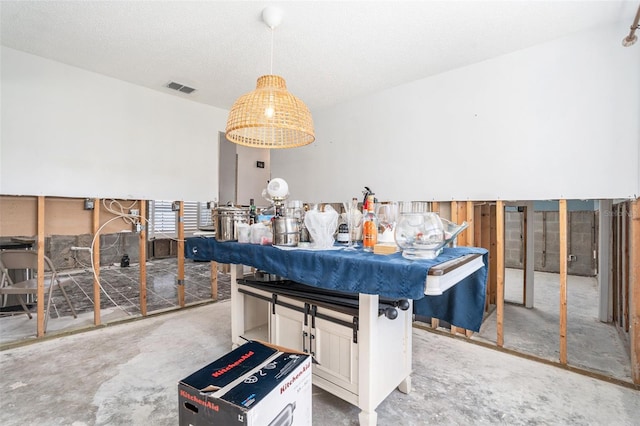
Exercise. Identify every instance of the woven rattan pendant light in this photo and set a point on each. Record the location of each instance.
(270, 116)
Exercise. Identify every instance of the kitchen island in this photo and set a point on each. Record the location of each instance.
(362, 353)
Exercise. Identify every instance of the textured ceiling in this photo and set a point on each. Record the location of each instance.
(328, 52)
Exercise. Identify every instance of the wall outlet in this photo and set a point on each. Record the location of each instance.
(134, 212)
(573, 258)
(88, 204)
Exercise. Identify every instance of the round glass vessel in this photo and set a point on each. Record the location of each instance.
(420, 235)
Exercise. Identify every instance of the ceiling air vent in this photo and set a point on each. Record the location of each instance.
(180, 87)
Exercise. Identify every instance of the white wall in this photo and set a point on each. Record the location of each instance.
(69, 132)
(248, 181)
(559, 120)
(251, 179)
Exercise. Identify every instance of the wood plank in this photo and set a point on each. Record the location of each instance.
(470, 212)
(454, 218)
(40, 327)
(435, 207)
(500, 272)
(525, 254)
(180, 255)
(614, 263)
(142, 244)
(493, 258)
(634, 330)
(458, 215)
(605, 259)
(626, 257)
(214, 281)
(477, 225)
(562, 219)
(96, 262)
(485, 241)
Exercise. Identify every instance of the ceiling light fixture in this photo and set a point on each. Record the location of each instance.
(632, 37)
(270, 116)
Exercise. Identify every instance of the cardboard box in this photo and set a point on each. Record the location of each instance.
(256, 384)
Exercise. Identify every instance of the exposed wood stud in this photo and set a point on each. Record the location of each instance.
(470, 211)
(525, 253)
(142, 244)
(626, 257)
(500, 272)
(493, 258)
(214, 280)
(96, 262)
(562, 219)
(40, 290)
(180, 255)
(634, 331)
(435, 207)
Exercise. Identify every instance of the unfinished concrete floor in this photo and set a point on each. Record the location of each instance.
(591, 345)
(127, 374)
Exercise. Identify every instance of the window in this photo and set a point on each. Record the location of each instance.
(164, 221)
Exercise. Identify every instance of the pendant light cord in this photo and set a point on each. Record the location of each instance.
(271, 71)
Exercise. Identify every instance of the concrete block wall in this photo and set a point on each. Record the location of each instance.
(582, 241)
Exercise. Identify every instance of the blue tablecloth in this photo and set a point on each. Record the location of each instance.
(358, 271)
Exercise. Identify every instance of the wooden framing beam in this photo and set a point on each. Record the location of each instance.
(525, 255)
(435, 207)
(604, 259)
(214, 281)
(634, 296)
(142, 244)
(96, 262)
(493, 257)
(470, 219)
(500, 273)
(40, 290)
(626, 258)
(477, 225)
(458, 215)
(562, 219)
(180, 255)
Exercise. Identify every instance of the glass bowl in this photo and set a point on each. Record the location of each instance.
(420, 235)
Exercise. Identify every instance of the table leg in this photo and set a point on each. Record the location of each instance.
(368, 418)
(405, 385)
(369, 362)
(237, 307)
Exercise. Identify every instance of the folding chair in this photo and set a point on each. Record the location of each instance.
(28, 259)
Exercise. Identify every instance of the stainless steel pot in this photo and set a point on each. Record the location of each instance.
(226, 219)
(286, 231)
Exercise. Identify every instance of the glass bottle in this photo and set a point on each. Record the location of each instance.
(369, 225)
(252, 212)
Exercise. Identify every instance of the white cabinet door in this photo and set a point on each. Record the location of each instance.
(288, 328)
(336, 354)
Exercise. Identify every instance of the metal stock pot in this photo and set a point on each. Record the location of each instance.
(226, 220)
(286, 231)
